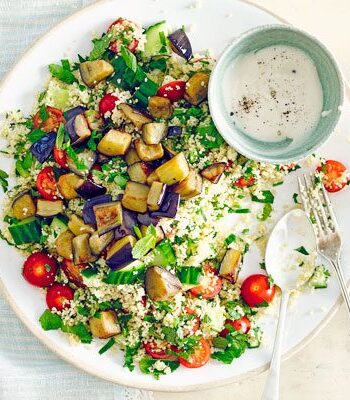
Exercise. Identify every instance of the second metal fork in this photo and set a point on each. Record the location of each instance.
(317, 205)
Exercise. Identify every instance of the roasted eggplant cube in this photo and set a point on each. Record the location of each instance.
(139, 172)
(160, 107)
(148, 152)
(90, 189)
(99, 242)
(114, 143)
(161, 284)
(135, 197)
(173, 171)
(81, 249)
(119, 255)
(48, 208)
(108, 216)
(197, 190)
(87, 158)
(153, 177)
(213, 172)
(197, 88)
(93, 72)
(159, 232)
(156, 196)
(79, 130)
(23, 206)
(188, 185)
(169, 207)
(93, 119)
(67, 185)
(134, 116)
(78, 226)
(154, 132)
(230, 265)
(105, 325)
(64, 244)
(131, 157)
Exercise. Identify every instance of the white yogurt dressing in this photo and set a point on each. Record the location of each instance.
(274, 93)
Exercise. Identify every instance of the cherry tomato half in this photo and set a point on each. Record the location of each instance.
(210, 285)
(196, 323)
(60, 157)
(174, 91)
(58, 296)
(335, 175)
(200, 356)
(46, 184)
(245, 182)
(256, 290)
(115, 44)
(107, 103)
(242, 324)
(55, 117)
(73, 271)
(40, 269)
(154, 351)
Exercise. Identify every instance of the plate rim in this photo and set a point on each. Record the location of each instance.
(39, 334)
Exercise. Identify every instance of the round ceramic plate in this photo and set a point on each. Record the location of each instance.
(212, 25)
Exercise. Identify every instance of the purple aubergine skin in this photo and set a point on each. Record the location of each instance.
(147, 219)
(73, 112)
(121, 258)
(169, 207)
(70, 129)
(128, 224)
(174, 131)
(90, 189)
(43, 148)
(181, 44)
(88, 211)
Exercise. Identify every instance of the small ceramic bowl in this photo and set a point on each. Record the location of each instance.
(330, 78)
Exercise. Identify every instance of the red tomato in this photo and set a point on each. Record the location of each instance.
(335, 175)
(200, 356)
(115, 45)
(228, 165)
(53, 121)
(174, 91)
(60, 157)
(58, 295)
(46, 184)
(40, 269)
(155, 352)
(256, 290)
(242, 324)
(245, 182)
(73, 271)
(107, 103)
(196, 324)
(210, 286)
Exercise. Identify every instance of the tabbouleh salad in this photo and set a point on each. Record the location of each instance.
(123, 200)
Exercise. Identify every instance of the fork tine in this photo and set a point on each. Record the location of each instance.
(320, 207)
(329, 208)
(304, 199)
(312, 210)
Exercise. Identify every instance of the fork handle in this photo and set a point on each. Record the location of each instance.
(337, 267)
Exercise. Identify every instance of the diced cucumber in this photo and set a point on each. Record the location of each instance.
(163, 255)
(220, 342)
(319, 279)
(254, 338)
(126, 276)
(189, 275)
(26, 231)
(59, 225)
(157, 43)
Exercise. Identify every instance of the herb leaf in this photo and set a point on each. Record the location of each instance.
(60, 137)
(144, 245)
(266, 212)
(62, 72)
(147, 363)
(35, 135)
(3, 180)
(267, 197)
(50, 321)
(100, 46)
(107, 346)
(209, 136)
(302, 250)
(79, 330)
(129, 58)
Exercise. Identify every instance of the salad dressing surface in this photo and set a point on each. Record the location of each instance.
(274, 93)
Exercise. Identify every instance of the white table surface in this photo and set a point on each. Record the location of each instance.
(321, 371)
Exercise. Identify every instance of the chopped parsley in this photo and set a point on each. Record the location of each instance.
(145, 244)
(147, 366)
(267, 197)
(3, 180)
(63, 72)
(107, 346)
(302, 250)
(266, 212)
(50, 321)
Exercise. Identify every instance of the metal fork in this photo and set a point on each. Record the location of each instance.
(317, 205)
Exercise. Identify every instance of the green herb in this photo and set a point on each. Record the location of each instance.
(123, 321)
(267, 197)
(159, 64)
(230, 239)
(137, 232)
(107, 346)
(266, 212)
(3, 180)
(164, 43)
(75, 158)
(302, 250)
(41, 96)
(100, 46)
(262, 266)
(80, 330)
(164, 306)
(263, 304)
(60, 137)
(209, 136)
(147, 366)
(62, 72)
(130, 352)
(190, 275)
(239, 210)
(220, 342)
(43, 113)
(295, 198)
(129, 58)
(22, 166)
(93, 139)
(169, 334)
(83, 311)
(278, 183)
(144, 245)
(110, 305)
(237, 344)
(89, 272)
(233, 309)
(270, 280)
(36, 135)
(50, 321)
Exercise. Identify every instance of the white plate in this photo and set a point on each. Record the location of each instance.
(214, 24)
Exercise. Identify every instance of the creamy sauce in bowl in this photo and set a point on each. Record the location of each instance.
(274, 94)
